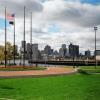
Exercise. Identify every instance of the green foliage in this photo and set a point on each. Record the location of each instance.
(70, 87)
(10, 49)
(1, 53)
(89, 69)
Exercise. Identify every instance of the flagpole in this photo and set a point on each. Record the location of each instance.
(14, 40)
(31, 35)
(5, 39)
(24, 40)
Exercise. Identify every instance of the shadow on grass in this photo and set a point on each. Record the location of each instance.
(83, 72)
(6, 87)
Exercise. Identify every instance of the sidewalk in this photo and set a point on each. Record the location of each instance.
(37, 73)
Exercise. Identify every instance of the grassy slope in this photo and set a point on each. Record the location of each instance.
(91, 69)
(71, 87)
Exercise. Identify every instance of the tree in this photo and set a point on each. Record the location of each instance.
(2, 53)
(9, 51)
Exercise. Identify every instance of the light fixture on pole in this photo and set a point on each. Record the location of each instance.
(95, 29)
(31, 36)
(5, 38)
(24, 51)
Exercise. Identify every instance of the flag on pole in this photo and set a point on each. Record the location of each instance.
(11, 17)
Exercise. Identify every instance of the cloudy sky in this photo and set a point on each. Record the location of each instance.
(55, 22)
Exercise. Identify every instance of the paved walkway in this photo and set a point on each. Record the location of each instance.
(37, 73)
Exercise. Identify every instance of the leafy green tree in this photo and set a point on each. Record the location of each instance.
(2, 53)
(9, 50)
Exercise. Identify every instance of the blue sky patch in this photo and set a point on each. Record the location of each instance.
(2, 23)
(53, 28)
(94, 2)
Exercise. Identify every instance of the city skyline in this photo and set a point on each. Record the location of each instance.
(60, 23)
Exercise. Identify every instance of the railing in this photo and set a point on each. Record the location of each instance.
(76, 63)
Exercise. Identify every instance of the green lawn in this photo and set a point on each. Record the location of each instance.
(22, 69)
(90, 69)
(69, 87)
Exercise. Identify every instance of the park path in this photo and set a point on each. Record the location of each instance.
(37, 73)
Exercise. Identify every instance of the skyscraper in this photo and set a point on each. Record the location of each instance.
(48, 50)
(88, 53)
(16, 49)
(23, 43)
(63, 51)
(35, 55)
(28, 48)
(74, 50)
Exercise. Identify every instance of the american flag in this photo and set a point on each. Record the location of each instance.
(10, 17)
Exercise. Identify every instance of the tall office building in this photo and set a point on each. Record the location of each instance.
(63, 51)
(55, 53)
(28, 48)
(16, 49)
(74, 50)
(64, 46)
(48, 50)
(23, 43)
(35, 55)
(88, 53)
(97, 54)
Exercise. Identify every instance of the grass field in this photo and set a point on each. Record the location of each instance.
(90, 69)
(21, 68)
(70, 87)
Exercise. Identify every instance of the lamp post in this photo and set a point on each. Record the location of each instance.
(31, 37)
(5, 38)
(95, 29)
(24, 53)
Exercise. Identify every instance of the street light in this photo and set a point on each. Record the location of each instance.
(31, 37)
(95, 29)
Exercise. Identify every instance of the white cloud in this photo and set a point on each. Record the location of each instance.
(76, 21)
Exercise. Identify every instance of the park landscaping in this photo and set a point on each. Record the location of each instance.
(89, 69)
(21, 68)
(70, 87)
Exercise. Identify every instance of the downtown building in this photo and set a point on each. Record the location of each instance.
(88, 53)
(47, 50)
(23, 46)
(73, 51)
(35, 52)
(47, 53)
(63, 52)
(97, 54)
(16, 49)
(31, 51)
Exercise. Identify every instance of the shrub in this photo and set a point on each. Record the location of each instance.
(83, 72)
